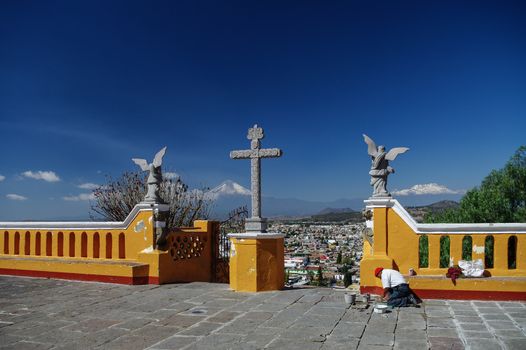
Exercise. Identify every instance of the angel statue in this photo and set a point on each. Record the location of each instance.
(380, 168)
(154, 178)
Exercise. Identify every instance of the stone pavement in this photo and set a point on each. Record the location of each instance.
(56, 314)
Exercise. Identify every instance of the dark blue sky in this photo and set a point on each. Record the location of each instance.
(85, 86)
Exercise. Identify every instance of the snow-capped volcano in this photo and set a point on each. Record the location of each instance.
(230, 188)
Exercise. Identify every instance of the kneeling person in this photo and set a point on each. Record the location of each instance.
(396, 289)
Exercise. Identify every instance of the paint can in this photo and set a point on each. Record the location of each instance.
(350, 298)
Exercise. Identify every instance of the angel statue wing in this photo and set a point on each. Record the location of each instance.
(158, 160)
(391, 155)
(142, 163)
(371, 146)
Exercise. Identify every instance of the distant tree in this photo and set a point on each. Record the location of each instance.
(339, 258)
(347, 278)
(321, 280)
(501, 197)
(310, 274)
(115, 200)
(347, 260)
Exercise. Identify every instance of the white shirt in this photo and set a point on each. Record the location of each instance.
(391, 278)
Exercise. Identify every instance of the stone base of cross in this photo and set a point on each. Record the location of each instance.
(256, 225)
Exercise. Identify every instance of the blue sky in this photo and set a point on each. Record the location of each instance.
(87, 85)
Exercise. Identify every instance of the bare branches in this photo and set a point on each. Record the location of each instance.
(115, 200)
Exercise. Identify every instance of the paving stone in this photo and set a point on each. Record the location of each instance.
(442, 332)
(333, 343)
(440, 322)
(357, 315)
(483, 344)
(410, 334)
(154, 333)
(223, 317)
(477, 335)
(175, 342)
(181, 321)
(380, 327)
(411, 325)
(372, 338)
(479, 327)
(411, 344)
(129, 342)
(511, 304)
(201, 310)
(7, 339)
(489, 310)
(515, 344)
(240, 326)
(502, 325)
(217, 342)
(363, 346)
(92, 325)
(26, 345)
(491, 317)
(348, 329)
(201, 328)
(313, 334)
(484, 303)
(443, 343)
(133, 324)
(468, 319)
(282, 343)
(405, 317)
(257, 316)
(471, 313)
(259, 340)
(435, 302)
(510, 333)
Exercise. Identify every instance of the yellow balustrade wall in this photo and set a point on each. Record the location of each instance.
(396, 245)
(121, 252)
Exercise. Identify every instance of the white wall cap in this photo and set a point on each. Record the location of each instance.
(495, 228)
(256, 235)
(77, 225)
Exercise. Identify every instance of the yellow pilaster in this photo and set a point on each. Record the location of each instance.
(102, 243)
(455, 248)
(521, 254)
(115, 246)
(90, 245)
(2, 242)
(257, 262)
(434, 251)
(33, 244)
(380, 231)
(379, 249)
(78, 244)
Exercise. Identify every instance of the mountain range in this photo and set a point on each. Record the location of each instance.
(230, 195)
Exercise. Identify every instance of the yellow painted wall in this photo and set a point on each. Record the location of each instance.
(121, 252)
(257, 264)
(396, 246)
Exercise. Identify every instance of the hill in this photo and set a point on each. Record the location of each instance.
(418, 213)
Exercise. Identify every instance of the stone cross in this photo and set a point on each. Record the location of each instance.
(256, 223)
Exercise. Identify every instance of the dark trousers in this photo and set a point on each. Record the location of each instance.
(399, 296)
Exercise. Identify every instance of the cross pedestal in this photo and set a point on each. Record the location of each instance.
(256, 257)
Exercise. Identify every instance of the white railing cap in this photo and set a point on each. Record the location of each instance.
(80, 225)
(491, 228)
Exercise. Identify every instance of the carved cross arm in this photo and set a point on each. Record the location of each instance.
(270, 153)
(246, 154)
